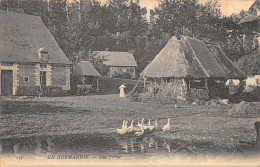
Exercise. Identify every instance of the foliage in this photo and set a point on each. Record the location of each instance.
(127, 75)
(83, 26)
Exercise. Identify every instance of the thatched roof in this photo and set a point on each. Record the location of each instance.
(21, 37)
(252, 17)
(85, 68)
(190, 57)
(122, 59)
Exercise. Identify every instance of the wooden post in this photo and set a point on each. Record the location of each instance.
(257, 128)
(206, 83)
(145, 82)
(98, 84)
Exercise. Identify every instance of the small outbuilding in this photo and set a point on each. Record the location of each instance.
(192, 68)
(117, 64)
(85, 78)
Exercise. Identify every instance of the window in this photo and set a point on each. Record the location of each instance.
(219, 81)
(26, 79)
(43, 65)
(198, 83)
(43, 78)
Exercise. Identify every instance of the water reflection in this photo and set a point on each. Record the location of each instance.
(16, 148)
(92, 144)
(145, 145)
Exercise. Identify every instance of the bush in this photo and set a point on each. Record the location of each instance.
(123, 75)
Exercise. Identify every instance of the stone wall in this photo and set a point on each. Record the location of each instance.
(27, 75)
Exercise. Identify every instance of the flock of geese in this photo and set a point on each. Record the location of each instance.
(141, 128)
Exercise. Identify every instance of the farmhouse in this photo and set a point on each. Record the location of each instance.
(118, 64)
(31, 61)
(192, 68)
(85, 77)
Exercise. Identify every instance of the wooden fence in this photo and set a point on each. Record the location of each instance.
(37, 90)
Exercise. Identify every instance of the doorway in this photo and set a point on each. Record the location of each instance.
(7, 82)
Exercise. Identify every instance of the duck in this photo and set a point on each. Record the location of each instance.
(122, 130)
(139, 133)
(167, 127)
(131, 127)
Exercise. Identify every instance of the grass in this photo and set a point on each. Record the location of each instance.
(206, 127)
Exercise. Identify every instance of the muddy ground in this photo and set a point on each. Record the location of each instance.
(202, 129)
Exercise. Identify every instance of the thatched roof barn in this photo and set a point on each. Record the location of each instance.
(190, 57)
(31, 61)
(198, 65)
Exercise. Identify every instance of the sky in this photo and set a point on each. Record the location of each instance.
(227, 6)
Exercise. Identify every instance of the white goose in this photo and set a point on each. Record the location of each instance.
(167, 127)
(137, 126)
(147, 126)
(153, 127)
(142, 121)
(121, 127)
(123, 130)
(155, 124)
(131, 127)
(139, 133)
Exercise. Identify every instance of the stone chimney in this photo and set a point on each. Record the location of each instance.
(43, 55)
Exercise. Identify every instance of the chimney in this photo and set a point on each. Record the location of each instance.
(132, 51)
(43, 55)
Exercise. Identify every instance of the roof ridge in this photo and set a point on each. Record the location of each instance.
(232, 63)
(17, 13)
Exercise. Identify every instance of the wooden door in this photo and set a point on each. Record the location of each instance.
(7, 82)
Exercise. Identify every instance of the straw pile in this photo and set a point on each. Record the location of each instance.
(246, 110)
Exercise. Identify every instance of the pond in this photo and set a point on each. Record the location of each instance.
(94, 145)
